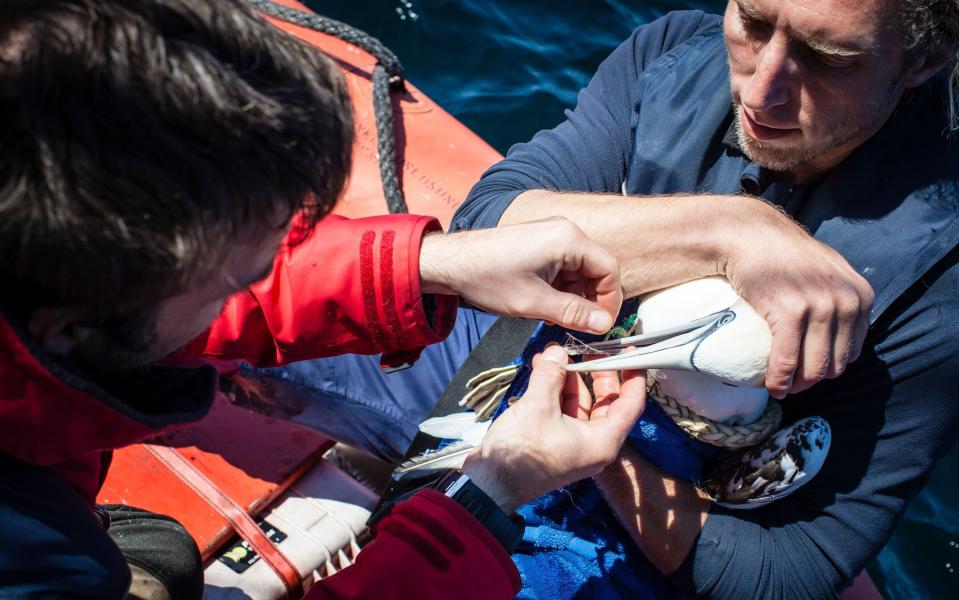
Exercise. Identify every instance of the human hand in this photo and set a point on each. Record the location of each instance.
(544, 269)
(555, 434)
(816, 304)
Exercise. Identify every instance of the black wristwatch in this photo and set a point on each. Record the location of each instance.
(508, 529)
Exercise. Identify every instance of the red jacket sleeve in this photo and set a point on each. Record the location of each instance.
(428, 547)
(352, 287)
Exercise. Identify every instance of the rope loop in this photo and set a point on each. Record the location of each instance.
(719, 434)
(339, 30)
(388, 77)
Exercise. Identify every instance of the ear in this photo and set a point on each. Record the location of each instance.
(925, 68)
(58, 330)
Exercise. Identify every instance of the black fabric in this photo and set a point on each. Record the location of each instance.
(52, 545)
(159, 545)
(155, 396)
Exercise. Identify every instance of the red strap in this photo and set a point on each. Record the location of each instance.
(235, 514)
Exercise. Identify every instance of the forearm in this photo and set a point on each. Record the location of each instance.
(662, 514)
(442, 262)
(659, 241)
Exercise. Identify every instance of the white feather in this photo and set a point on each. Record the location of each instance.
(459, 426)
(450, 457)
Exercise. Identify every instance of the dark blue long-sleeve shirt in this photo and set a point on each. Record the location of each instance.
(654, 120)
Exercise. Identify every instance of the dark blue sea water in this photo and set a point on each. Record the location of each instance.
(508, 68)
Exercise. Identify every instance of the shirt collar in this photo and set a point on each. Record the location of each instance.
(731, 139)
(754, 179)
(761, 182)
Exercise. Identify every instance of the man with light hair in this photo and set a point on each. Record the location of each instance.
(839, 114)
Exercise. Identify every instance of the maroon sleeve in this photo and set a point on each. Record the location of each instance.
(427, 547)
(352, 287)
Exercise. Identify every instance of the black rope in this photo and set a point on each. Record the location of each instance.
(387, 77)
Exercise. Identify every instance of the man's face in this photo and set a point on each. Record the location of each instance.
(811, 79)
(183, 317)
(179, 319)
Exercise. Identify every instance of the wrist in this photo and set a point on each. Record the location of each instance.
(486, 478)
(436, 275)
(733, 218)
(745, 228)
(506, 526)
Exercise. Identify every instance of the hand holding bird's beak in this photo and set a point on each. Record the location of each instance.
(557, 433)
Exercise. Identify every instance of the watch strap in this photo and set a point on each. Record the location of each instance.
(507, 529)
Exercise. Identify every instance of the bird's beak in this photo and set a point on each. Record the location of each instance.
(672, 348)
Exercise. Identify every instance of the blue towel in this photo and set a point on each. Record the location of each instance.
(573, 546)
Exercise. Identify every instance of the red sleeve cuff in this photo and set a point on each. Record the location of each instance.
(415, 326)
(428, 548)
(464, 518)
(444, 519)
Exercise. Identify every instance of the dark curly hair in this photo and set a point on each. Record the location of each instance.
(142, 137)
(932, 27)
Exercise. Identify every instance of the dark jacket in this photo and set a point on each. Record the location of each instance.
(655, 120)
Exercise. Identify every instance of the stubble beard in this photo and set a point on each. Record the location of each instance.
(849, 128)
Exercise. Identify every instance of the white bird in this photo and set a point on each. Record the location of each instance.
(707, 349)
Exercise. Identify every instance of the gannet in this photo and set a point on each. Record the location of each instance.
(707, 348)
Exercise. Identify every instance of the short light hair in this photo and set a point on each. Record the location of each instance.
(931, 27)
